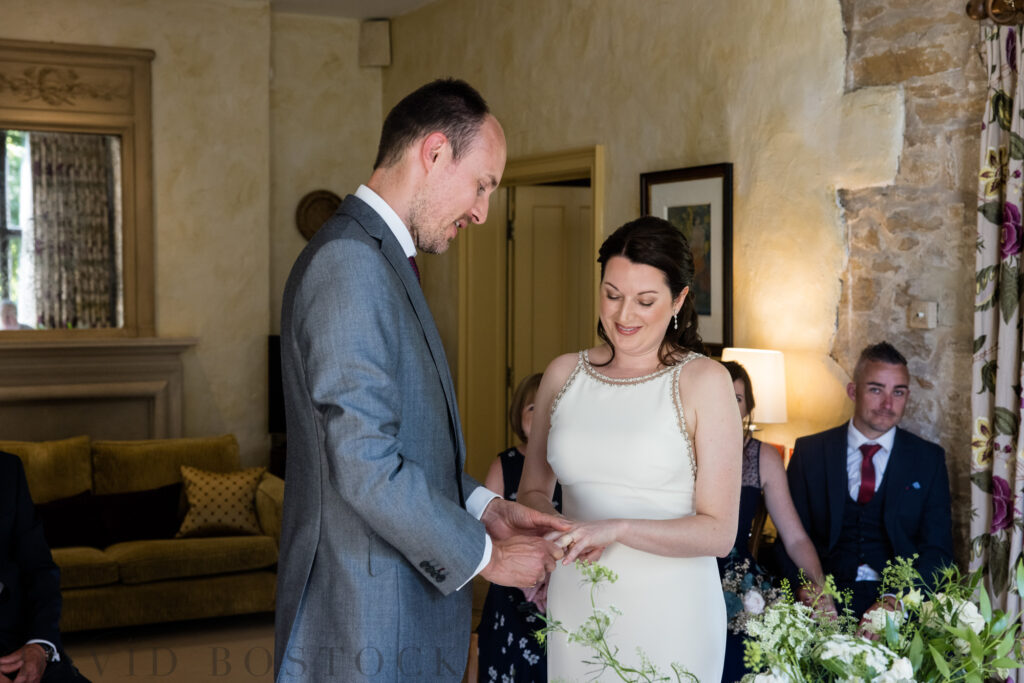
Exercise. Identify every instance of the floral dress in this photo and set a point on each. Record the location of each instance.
(507, 649)
(751, 495)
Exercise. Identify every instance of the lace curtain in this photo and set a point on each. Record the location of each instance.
(75, 235)
(997, 475)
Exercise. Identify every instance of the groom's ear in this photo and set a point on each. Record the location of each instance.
(431, 149)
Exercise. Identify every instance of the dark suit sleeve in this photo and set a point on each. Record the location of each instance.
(32, 580)
(934, 536)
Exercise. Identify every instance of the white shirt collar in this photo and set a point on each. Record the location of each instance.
(390, 217)
(854, 438)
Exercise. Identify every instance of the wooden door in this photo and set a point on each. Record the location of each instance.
(528, 296)
(551, 297)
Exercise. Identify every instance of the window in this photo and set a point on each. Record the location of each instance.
(76, 235)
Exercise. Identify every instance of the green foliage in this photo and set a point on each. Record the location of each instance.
(1002, 109)
(988, 376)
(592, 634)
(992, 211)
(1016, 146)
(950, 632)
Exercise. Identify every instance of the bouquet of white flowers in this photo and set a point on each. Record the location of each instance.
(747, 589)
(949, 633)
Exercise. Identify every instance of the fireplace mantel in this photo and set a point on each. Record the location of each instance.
(128, 388)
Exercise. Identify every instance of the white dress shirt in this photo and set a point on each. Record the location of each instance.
(854, 459)
(481, 496)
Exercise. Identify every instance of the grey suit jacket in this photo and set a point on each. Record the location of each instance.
(375, 537)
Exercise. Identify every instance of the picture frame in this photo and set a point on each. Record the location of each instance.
(698, 201)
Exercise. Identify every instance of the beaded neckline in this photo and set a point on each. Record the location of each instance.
(592, 371)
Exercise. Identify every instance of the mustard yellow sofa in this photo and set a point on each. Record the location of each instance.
(111, 508)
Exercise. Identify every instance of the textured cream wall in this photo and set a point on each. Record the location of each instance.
(325, 120)
(667, 84)
(211, 174)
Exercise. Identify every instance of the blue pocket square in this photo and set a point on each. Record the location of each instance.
(915, 485)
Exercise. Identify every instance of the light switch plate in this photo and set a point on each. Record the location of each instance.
(924, 314)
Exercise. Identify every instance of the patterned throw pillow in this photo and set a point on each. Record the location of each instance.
(220, 503)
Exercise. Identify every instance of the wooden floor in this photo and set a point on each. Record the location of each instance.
(227, 650)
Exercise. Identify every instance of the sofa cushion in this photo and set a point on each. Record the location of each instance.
(85, 567)
(74, 521)
(54, 469)
(141, 515)
(86, 519)
(122, 466)
(220, 503)
(145, 561)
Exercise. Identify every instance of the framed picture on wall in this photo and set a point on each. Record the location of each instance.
(698, 201)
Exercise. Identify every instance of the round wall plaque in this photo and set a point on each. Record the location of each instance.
(313, 211)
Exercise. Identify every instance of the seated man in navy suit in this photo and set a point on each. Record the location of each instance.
(29, 589)
(868, 491)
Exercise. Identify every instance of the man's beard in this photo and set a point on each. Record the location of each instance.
(435, 242)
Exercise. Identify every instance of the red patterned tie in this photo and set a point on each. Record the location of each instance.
(867, 473)
(412, 262)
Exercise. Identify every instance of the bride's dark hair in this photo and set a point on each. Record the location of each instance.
(656, 242)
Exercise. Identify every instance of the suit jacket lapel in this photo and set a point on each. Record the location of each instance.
(898, 472)
(392, 251)
(837, 481)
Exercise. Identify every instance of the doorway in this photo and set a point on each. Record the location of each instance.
(528, 282)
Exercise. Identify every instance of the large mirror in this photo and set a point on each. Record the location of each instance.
(76, 242)
(60, 231)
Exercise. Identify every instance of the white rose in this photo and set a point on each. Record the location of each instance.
(877, 619)
(902, 671)
(971, 617)
(775, 676)
(753, 602)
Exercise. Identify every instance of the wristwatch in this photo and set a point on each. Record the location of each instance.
(51, 654)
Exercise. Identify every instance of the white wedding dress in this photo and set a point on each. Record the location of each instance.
(621, 449)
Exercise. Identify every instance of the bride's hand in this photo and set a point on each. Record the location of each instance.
(587, 540)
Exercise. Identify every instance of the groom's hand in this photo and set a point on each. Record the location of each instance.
(521, 561)
(505, 519)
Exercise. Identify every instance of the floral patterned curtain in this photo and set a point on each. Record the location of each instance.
(75, 233)
(997, 474)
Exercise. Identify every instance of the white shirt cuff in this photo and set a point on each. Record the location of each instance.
(475, 505)
(865, 572)
(56, 652)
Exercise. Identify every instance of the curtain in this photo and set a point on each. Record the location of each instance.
(76, 234)
(997, 457)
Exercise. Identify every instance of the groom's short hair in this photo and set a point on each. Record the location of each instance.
(447, 105)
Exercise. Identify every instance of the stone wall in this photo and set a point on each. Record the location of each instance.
(914, 239)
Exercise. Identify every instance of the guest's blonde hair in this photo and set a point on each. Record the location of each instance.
(524, 394)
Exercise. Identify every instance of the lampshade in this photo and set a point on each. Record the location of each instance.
(767, 370)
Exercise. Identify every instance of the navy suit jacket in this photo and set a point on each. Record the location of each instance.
(915, 510)
(375, 535)
(30, 599)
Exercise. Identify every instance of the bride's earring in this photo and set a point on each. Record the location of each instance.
(675, 321)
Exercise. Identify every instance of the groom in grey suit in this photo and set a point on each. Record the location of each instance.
(382, 528)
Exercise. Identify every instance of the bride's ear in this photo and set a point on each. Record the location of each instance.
(677, 304)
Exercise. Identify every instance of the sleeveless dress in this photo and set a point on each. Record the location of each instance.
(620, 449)
(750, 499)
(508, 652)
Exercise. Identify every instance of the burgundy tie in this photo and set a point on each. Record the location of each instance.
(867, 473)
(412, 262)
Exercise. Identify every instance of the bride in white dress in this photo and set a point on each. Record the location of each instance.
(642, 432)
